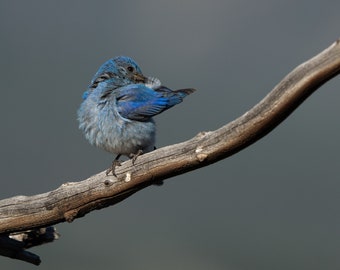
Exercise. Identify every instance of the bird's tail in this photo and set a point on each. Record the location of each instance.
(184, 92)
(173, 97)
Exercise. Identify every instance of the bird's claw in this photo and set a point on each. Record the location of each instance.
(116, 162)
(134, 156)
(112, 169)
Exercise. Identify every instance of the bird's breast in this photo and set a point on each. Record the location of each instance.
(105, 128)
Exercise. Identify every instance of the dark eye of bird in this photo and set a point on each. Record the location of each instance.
(129, 68)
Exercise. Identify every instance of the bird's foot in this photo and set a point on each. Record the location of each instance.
(112, 169)
(134, 156)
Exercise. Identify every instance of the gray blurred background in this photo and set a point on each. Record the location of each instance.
(274, 205)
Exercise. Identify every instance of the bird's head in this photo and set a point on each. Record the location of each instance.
(129, 70)
(119, 71)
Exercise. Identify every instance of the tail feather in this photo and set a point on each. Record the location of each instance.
(185, 91)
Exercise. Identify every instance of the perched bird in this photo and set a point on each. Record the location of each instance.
(118, 106)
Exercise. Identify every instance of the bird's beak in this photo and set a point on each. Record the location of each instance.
(139, 77)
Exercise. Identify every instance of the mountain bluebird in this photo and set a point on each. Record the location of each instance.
(118, 106)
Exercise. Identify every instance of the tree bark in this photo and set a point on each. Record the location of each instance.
(75, 199)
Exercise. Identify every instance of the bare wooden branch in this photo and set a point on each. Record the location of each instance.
(75, 199)
(14, 245)
(15, 249)
(36, 237)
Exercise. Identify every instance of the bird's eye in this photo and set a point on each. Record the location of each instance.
(130, 68)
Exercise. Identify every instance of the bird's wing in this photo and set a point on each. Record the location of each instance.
(139, 102)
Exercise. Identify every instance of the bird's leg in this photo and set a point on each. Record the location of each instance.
(134, 156)
(114, 164)
(133, 159)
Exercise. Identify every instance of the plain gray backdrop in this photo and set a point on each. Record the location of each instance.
(274, 205)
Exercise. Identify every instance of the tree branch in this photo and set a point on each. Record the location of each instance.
(14, 245)
(75, 199)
